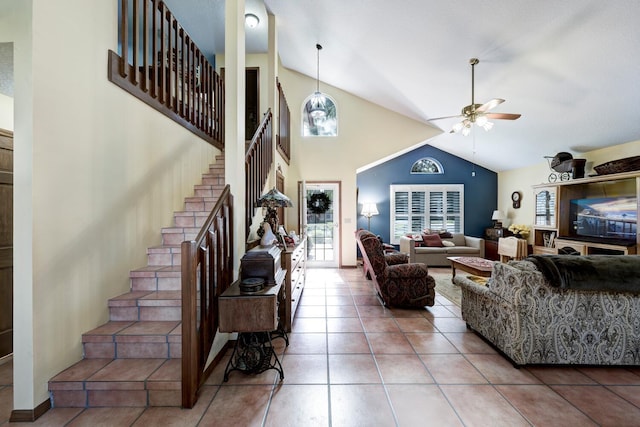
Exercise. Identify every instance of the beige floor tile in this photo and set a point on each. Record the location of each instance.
(430, 343)
(402, 369)
(389, 343)
(299, 405)
(528, 399)
(353, 369)
(238, 406)
(482, 405)
(305, 369)
(352, 342)
(601, 405)
(422, 405)
(360, 405)
(499, 370)
(452, 369)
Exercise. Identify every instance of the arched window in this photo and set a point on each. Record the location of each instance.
(319, 116)
(427, 165)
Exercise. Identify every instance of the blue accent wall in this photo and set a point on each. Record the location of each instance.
(480, 191)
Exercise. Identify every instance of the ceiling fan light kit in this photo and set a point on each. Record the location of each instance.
(477, 113)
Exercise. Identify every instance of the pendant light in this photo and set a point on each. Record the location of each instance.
(318, 109)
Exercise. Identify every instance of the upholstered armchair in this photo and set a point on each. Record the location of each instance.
(399, 285)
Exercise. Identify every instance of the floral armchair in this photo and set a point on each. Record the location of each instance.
(398, 283)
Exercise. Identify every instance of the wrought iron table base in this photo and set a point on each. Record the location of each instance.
(253, 354)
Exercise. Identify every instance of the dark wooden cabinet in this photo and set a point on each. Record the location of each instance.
(491, 250)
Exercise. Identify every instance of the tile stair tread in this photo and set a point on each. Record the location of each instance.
(147, 298)
(128, 374)
(157, 270)
(142, 328)
(164, 249)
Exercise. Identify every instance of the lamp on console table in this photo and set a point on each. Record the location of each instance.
(272, 200)
(369, 210)
(497, 216)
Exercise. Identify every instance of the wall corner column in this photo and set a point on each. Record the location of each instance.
(234, 106)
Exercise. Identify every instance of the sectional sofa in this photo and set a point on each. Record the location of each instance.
(534, 320)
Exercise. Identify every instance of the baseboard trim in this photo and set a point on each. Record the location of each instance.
(30, 415)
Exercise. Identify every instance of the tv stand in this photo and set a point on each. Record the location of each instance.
(593, 248)
(554, 228)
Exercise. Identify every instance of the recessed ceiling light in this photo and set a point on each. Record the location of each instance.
(251, 20)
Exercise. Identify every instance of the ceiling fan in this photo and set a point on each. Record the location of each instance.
(477, 113)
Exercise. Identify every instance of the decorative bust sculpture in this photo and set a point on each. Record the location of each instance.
(268, 238)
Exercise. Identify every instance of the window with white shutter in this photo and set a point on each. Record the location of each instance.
(416, 207)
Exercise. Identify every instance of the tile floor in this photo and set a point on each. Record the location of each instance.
(352, 362)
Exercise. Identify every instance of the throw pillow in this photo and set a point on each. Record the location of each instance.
(448, 243)
(433, 240)
(445, 235)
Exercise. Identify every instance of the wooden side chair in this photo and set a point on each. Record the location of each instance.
(511, 248)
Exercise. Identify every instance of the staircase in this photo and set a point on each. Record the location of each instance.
(135, 358)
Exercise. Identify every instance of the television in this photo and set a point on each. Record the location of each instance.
(605, 219)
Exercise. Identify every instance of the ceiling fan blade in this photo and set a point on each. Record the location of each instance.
(489, 105)
(503, 116)
(445, 117)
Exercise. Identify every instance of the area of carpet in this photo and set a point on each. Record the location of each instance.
(445, 287)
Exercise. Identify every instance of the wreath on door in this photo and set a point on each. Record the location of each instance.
(318, 203)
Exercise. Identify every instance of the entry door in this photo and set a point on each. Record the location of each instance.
(6, 242)
(323, 223)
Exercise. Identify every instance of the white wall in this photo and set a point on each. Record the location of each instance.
(366, 133)
(524, 178)
(6, 112)
(97, 174)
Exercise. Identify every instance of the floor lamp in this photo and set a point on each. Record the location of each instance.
(369, 210)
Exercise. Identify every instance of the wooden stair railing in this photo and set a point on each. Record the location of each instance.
(161, 65)
(258, 161)
(207, 271)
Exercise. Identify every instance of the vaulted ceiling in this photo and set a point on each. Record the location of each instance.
(571, 67)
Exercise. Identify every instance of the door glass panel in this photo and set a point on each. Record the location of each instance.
(322, 225)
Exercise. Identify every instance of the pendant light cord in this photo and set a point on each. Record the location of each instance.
(319, 47)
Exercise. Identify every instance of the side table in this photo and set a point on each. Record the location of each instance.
(254, 315)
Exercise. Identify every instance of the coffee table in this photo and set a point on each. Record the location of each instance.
(474, 265)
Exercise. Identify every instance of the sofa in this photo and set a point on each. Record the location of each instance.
(436, 256)
(398, 283)
(538, 312)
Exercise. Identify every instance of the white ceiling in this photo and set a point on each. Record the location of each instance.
(570, 67)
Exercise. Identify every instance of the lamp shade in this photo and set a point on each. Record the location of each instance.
(273, 198)
(497, 216)
(369, 209)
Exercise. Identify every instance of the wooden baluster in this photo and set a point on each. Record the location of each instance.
(154, 49)
(182, 73)
(176, 65)
(124, 41)
(134, 41)
(163, 56)
(170, 61)
(145, 47)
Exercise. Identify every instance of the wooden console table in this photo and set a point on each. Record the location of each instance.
(293, 263)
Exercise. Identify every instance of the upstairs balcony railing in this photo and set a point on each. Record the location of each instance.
(161, 65)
